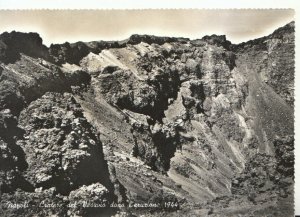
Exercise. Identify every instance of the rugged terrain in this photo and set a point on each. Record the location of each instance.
(190, 127)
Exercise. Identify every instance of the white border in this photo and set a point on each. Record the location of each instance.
(201, 4)
(141, 4)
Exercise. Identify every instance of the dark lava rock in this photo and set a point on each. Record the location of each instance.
(149, 39)
(60, 145)
(219, 40)
(14, 43)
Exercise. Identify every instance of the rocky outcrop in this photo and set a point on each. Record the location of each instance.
(62, 154)
(219, 40)
(29, 78)
(203, 124)
(60, 145)
(14, 43)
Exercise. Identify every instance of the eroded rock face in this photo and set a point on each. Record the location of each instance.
(203, 123)
(272, 61)
(60, 145)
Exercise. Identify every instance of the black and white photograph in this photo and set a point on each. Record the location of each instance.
(151, 113)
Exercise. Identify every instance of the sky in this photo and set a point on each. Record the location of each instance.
(59, 26)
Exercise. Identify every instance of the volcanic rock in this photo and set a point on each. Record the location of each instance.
(200, 127)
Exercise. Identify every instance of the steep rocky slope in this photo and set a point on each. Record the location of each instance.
(190, 127)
